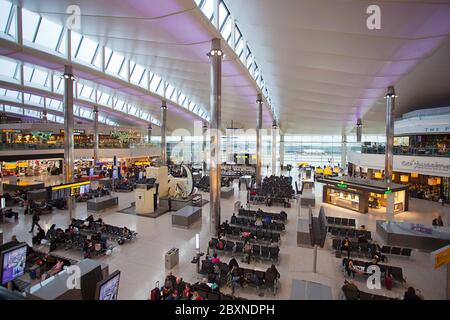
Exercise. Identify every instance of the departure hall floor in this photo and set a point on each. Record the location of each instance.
(141, 261)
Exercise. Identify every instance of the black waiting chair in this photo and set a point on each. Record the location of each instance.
(274, 253)
(406, 252)
(396, 250)
(239, 247)
(386, 250)
(267, 236)
(256, 251)
(275, 237)
(265, 252)
(229, 246)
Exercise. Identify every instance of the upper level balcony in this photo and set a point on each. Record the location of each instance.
(407, 150)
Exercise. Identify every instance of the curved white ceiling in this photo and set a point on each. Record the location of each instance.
(325, 68)
(172, 38)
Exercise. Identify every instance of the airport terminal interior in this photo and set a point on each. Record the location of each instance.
(225, 150)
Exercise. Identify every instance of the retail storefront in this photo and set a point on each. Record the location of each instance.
(31, 167)
(362, 195)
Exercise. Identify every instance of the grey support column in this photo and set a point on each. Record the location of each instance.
(259, 101)
(215, 55)
(96, 144)
(281, 152)
(204, 148)
(68, 131)
(389, 155)
(163, 133)
(344, 152)
(274, 148)
(358, 130)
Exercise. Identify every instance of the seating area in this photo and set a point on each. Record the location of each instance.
(250, 222)
(396, 272)
(358, 249)
(396, 251)
(248, 277)
(278, 217)
(351, 294)
(259, 252)
(119, 234)
(337, 221)
(266, 235)
(351, 233)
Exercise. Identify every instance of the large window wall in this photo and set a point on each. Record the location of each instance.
(316, 150)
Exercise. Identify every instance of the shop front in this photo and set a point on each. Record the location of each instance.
(362, 195)
(31, 167)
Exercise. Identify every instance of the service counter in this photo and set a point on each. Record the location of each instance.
(24, 186)
(361, 195)
(102, 203)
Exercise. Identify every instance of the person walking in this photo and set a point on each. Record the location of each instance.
(35, 222)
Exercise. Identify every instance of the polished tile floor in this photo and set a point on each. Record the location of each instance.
(142, 261)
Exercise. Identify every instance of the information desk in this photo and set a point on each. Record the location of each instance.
(308, 199)
(186, 216)
(361, 194)
(410, 235)
(102, 203)
(22, 186)
(226, 192)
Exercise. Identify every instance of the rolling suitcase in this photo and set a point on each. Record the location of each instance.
(155, 293)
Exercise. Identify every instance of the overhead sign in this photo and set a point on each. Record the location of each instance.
(388, 191)
(441, 257)
(11, 131)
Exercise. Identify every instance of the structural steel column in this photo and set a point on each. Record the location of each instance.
(68, 131)
(215, 55)
(259, 101)
(344, 152)
(163, 133)
(281, 152)
(204, 148)
(389, 154)
(95, 135)
(358, 130)
(274, 148)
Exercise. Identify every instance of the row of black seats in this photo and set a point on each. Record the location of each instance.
(258, 251)
(213, 294)
(362, 249)
(405, 252)
(282, 216)
(261, 234)
(241, 221)
(351, 294)
(341, 221)
(349, 232)
(249, 276)
(251, 221)
(396, 272)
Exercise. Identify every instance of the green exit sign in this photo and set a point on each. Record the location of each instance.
(388, 191)
(342, 185)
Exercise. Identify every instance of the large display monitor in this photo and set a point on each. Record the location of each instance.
(109, 288)
(13, 263)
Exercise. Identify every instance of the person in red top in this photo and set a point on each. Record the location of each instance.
(196, 296)
(215, 258)
(187, 293)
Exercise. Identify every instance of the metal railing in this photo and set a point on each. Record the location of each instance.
(407, 151)
(37, 146)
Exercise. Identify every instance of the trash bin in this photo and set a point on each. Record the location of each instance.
(171, 258)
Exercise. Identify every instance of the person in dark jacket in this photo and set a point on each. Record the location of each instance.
(35, 222)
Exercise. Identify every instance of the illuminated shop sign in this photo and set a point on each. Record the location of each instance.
(342, 185)
(75, 131)
(11, 131)
(70, 185)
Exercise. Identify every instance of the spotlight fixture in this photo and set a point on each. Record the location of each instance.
(215, 52)
(69, 76)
